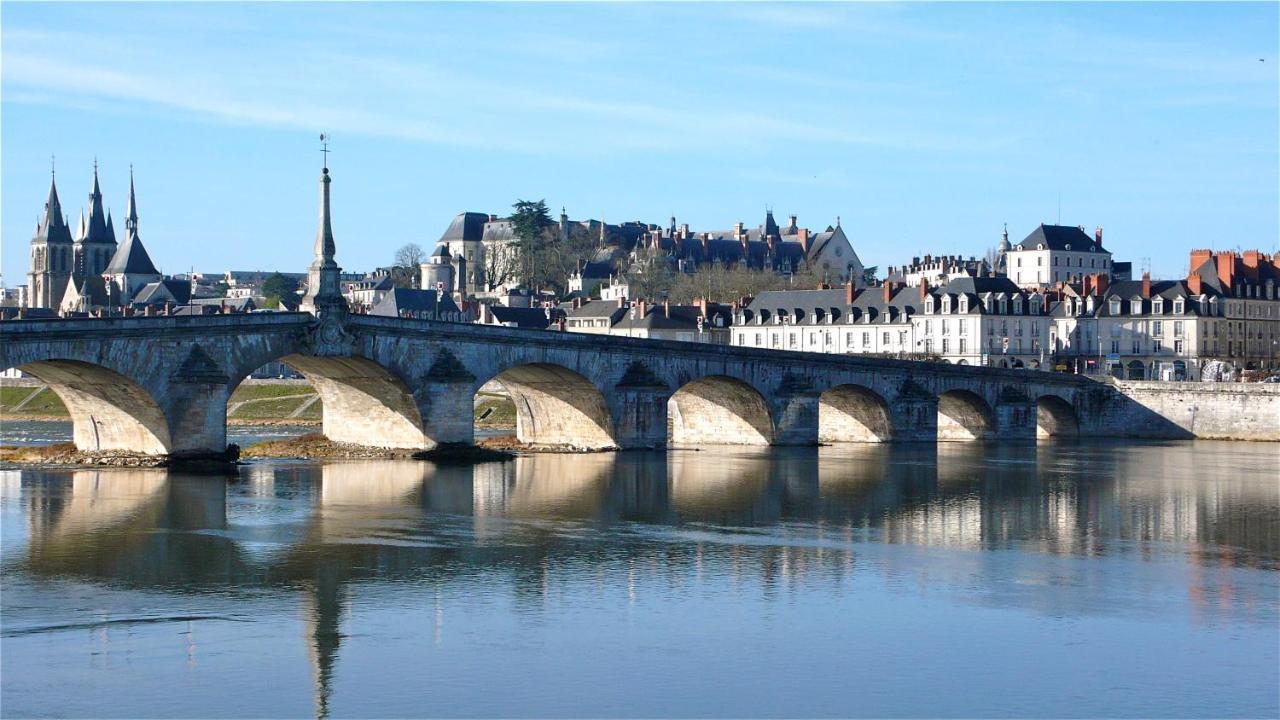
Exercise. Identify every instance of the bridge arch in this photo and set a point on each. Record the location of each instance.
(1055, 417)
(363, 402)
(109, 411)
(964, 415)
(853, 413)
(556, 406)
(719, 410)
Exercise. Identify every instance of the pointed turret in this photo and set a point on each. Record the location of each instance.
(131, 212)
(770, 228)
(96, 218)
(111, 228)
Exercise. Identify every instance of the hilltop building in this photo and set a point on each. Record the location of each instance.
(1052, 254)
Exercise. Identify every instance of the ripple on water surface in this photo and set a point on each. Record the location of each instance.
(959, 580)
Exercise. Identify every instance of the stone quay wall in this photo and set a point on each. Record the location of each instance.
(1217, 411)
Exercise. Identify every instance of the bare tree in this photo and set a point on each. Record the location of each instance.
(404, 272)
(499, 263)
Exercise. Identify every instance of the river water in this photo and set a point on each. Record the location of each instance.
(1060, 579)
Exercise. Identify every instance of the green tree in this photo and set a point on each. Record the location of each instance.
(531, 225)
(277, 286)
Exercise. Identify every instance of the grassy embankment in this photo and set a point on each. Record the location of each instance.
(250, 404)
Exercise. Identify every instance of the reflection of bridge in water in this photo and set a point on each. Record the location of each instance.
(360, 522)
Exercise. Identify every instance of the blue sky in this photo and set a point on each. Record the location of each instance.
(923, 126)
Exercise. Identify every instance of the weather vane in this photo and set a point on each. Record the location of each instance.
(324, 139)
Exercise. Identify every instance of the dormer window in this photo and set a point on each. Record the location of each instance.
(946, 304)
(1157, 306)
(1068, 246)
(1179, 306)
(928, 305)
(1017, 306)
(1135, 307)
(1115, 306)
(1004, 306)
(1034, 307)
(964, 303)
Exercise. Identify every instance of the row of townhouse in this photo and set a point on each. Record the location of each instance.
(1227, 310)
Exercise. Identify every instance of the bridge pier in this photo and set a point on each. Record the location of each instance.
(795, 418)
(197, 417)
(1016, 420)
(639, 417)
(449, 416)
(914, 415)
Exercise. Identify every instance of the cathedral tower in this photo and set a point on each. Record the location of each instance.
(52, 255)
(96, 241)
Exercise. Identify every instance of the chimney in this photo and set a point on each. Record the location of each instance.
(1250, 261)
(804, 237)
(666, 308)
(1097, 235)
(737, 231)
(1227, 269)
(1193, 283)
(706, 247)
(769, 240)
(888, 291)
(622, 302)
(642, 309)
(493, 218)
(1101, 283)
(793, 221)
(684, 230)
(1200, 257)
(924, 288)
(1146, 285)
(702, 306)
(577, 303)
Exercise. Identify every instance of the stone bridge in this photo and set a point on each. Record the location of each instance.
(160, 385)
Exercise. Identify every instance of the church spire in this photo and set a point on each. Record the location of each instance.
(96, 218)
(131, 212)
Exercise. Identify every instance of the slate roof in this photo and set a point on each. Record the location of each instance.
(534, 318)
(467, 226)
(682, 317)
(415, 301)
(1059, 237)
(236, 304)
(163, 291)
(131, 258)
(595, 309)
